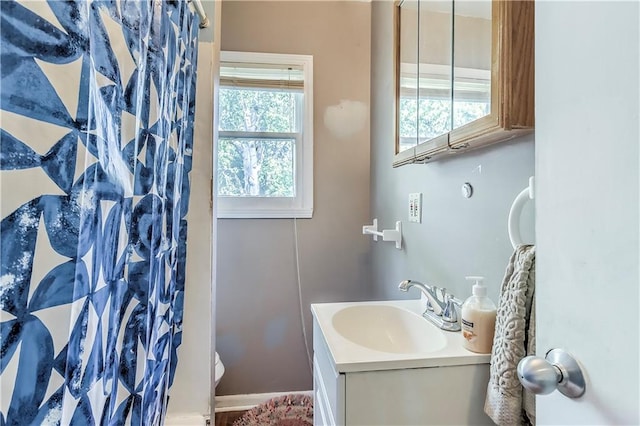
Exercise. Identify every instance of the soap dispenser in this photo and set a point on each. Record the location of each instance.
(478, 319)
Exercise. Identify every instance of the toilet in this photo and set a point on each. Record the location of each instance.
(219, 369)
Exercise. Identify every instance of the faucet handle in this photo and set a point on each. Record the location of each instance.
(450, 313)
(429, 306)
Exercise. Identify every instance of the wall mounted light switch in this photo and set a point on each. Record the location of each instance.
(415, 207)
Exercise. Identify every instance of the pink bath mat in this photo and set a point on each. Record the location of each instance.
(287, 410)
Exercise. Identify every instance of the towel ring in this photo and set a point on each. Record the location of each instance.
(516, 210)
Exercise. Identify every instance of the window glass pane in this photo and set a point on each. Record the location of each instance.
(252, 110)
(466, 112)
(256, 167)
(434, 117)
(408, 125)
(428, 117)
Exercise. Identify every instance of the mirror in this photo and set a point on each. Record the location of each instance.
(424, 84)
(464, 75)
(407, 72)
(472, 61)
(435, 44)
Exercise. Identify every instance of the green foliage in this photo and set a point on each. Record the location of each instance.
(249, 110)
(466, 112)
(433, 116)
(278, 181)
(257, 166)
(230, 173)
(275, 174)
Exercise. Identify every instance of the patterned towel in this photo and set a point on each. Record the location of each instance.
(507, 403)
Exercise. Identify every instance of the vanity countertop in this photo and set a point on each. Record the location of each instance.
(350, 356)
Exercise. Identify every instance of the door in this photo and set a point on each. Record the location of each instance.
(587, 193)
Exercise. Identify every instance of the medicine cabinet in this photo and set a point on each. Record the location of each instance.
(464, 75)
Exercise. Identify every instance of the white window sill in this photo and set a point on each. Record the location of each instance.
(266, 214)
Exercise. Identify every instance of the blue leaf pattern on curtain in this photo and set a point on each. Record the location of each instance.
(94, 248)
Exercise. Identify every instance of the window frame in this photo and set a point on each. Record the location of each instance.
(301, 205)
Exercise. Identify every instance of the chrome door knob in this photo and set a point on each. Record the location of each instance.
(538, 375)
(558, 370)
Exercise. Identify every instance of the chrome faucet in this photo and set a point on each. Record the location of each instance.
(434, 303)
(441, 306)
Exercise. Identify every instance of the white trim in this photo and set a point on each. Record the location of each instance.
(185, 420)
(257, 207)
(232, 134)
(265, 58)
(258, 213)
(248, 401)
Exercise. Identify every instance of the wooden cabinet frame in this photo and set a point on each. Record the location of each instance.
(512, 88)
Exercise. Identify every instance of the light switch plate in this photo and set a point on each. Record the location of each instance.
(415, 207)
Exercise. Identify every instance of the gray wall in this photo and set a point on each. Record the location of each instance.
(258, 328)
(259, 334)
(457, 236)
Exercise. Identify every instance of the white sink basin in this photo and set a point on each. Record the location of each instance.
(368, 336)
(388, 329)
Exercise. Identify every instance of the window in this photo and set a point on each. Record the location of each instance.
(265, 139)
(437, 110)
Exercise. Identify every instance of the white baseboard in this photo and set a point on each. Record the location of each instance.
(186, 420)
(250, 400)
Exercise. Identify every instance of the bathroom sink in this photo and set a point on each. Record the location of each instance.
(384, 335)
(387, 328)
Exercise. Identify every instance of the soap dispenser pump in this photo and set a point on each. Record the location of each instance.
(478, 318)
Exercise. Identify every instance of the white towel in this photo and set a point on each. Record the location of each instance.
(507, 403)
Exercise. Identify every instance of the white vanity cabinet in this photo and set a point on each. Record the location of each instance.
(359, 392)
(328, 385)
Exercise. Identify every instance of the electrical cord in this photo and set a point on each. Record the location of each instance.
(304, 328)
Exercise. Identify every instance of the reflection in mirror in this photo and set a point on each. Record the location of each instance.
(464, 75)
(435, 73)
(472, 61)
(407, 91)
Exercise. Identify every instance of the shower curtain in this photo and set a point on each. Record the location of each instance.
(97, 101)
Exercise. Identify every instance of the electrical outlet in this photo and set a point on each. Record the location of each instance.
(415, 207)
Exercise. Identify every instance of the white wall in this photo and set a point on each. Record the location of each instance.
(191, 391)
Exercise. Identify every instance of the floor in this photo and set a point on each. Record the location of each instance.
(227, 418)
